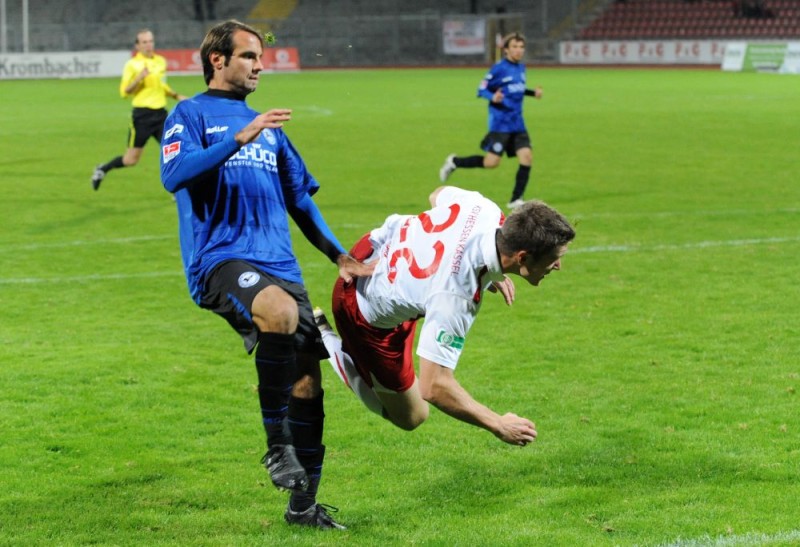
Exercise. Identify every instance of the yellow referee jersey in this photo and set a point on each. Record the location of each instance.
(151, 92)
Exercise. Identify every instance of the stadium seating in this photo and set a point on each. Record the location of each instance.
(699, 19)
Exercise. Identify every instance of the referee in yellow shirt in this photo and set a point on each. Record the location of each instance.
(145, 79)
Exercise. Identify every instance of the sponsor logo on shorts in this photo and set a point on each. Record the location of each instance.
(174, 130)
(171, 150)
(450, 340)
(248, 279)
(497, 148)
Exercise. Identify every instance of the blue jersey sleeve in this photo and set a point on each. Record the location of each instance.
(183, 156)
(297, 182)
(487, 86)
(309, 219)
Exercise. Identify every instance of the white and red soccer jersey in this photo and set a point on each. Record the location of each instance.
(434, 265)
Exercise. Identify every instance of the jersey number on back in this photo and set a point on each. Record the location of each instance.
(438, 247)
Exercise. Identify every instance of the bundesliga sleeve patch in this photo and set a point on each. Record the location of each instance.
(171, 150)
(450, 340)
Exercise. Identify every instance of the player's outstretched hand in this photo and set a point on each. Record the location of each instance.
(349, 268)
(516, 430)
(506, 288)
(271, 119)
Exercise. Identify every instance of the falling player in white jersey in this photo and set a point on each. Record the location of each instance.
(436, 265)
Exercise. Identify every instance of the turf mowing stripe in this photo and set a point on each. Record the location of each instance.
(597, 249)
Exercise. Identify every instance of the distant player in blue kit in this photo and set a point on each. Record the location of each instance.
(237, 179)
(505, 88)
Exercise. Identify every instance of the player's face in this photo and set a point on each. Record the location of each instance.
(145, 43)
(533, 271)
(240, 72)
(515, 51)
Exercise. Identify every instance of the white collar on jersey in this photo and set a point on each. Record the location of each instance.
(488, 246)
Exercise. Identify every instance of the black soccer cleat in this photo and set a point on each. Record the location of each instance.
(316, 516)
(284, 468)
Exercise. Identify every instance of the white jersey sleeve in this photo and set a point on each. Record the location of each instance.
(442, 336)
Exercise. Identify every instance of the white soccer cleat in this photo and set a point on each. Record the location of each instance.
(320, 320)
(516, 203)
(97, 177)
(448, 168)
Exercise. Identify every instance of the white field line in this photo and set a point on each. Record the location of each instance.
(115, 277)
(668, 214)
(85, 278)
(744, 540)
(82, 243)
(682, 246)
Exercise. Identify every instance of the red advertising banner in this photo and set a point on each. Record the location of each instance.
(187, 61)
(281, 58)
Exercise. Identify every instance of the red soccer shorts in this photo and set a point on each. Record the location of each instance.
(386, 354)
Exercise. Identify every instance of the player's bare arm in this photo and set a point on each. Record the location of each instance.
(439, 387)
(137, 81)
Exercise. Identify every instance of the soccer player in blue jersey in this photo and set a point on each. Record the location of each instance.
(505, 88)
(237, 179)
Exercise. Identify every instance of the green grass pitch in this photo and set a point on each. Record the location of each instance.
(660, 365)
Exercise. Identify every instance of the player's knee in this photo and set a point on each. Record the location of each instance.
(411, 420)
(490, 162)
(274, 310)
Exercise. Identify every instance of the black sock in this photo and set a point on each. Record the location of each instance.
(277, 371)
(116, 163)
(521, 182)
(469, 161)
(306, 420)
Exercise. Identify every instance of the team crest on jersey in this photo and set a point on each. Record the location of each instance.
(248, 279)
(171, 150)
(269, 137)
(450, 340)
(174, 130)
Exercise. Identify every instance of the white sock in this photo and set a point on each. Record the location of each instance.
(344, 368)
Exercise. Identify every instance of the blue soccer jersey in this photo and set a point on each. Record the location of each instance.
(505, 117)
(233, 201)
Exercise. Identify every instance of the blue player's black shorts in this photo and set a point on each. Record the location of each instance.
(146, 123)
(230, 290)
(497, 143)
